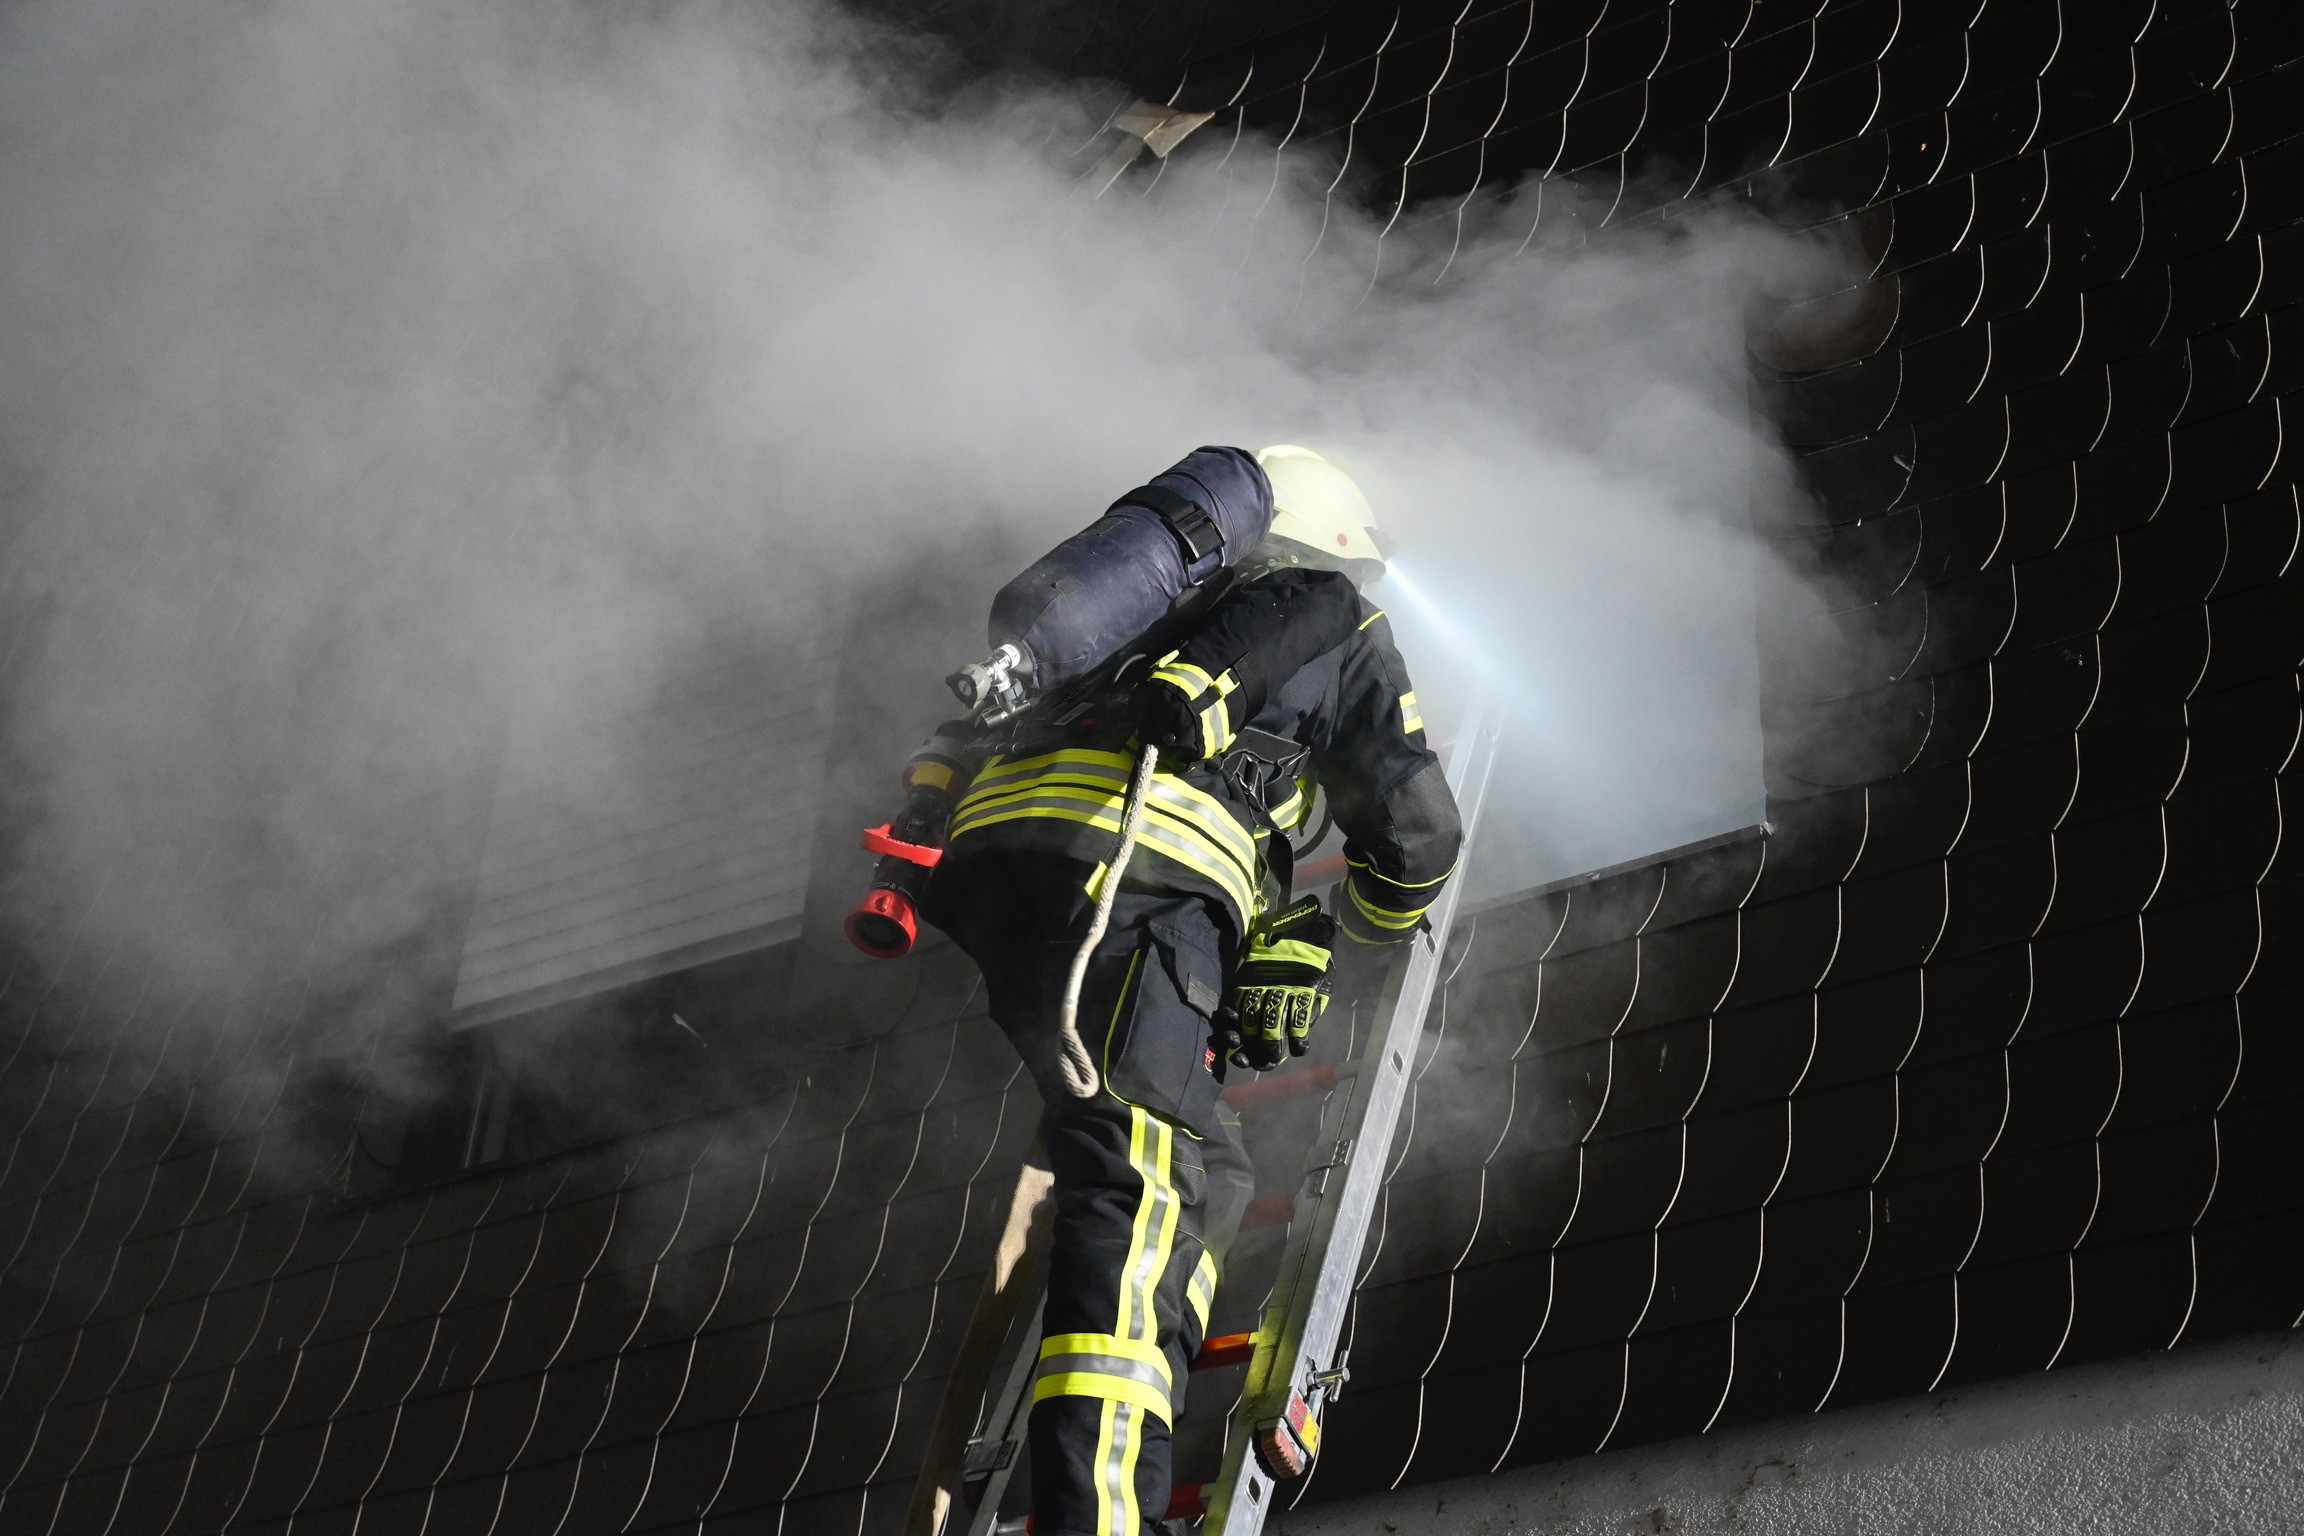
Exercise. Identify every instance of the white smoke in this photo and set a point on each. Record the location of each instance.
(370, 372)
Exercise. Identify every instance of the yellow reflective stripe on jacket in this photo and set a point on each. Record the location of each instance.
(1372, 618)
(1183, 841)
(1224, 840)
(1182, 822)
(1411, 719)
(1200, 1290)
(1215, 728)
(1089, 767)
(1192, 680)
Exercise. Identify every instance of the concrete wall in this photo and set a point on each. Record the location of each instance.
(2206, 1440)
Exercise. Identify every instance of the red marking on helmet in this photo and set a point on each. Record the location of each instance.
(1343, 542)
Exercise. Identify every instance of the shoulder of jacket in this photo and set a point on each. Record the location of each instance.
(1375, 623)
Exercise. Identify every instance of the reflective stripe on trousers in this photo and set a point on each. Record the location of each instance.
(1126, 1370)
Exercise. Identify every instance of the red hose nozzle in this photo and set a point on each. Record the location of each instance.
(883, 924)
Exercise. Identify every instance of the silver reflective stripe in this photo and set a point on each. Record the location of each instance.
(1152, 1258)
(1120, 1471)
(1201, 1291)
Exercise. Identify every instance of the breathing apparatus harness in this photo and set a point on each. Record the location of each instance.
(997, 691)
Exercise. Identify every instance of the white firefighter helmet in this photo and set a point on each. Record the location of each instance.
(1319, 517)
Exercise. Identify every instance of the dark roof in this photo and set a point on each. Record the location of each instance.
(1984, 1060)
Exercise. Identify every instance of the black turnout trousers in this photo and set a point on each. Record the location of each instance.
(1150, 1175)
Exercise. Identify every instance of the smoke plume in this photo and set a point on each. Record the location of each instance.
(370, 375)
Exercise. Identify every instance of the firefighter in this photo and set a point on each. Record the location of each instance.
(1289, 681)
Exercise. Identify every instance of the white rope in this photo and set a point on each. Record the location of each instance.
(1072, 1056)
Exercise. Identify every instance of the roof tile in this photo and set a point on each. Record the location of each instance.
(1368, 1439)
(1803, 1348)
(2158, 1179)
(1527, 1198)
(2231, 366)
(2083, 976)
(1948, 1114)
(1786, 945)
(1944, 372)
(1397, 1330)
(1922, 74)
(1674, 1381)
(2259, 1145)
(2241, 736)
(1997, 895)
(2219, 842)
(1556, 1098)
(2039, 1203)
(2220, 285)
(2129, 1297)
(1484, 1411)
(1704, 1269)
(1923, 1226)
(2176, 1064)
(1960, 534)
(2264, 109)
(2181, 61)
(1864, 1030)
(1812, 1249)
(1627, 1185)
(1888, 922)
(2106, 868)
(1898, 1341)
(2246, 1278)
(2205, 949)
(2061, 1088)
(2012, 1317)
(1758, 1053)
(2162, 661)
(1840, 1137)
(1734, 1160)
(1700, 885)
(1961, 714)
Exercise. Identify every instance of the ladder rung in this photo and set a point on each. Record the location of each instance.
(1224, 1349)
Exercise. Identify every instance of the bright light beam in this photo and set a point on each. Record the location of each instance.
(1476, 656)
(1440, 622)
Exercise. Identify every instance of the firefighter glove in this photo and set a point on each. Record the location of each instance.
(1281, 986)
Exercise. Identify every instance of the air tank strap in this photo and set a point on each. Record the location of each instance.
(1196, 532)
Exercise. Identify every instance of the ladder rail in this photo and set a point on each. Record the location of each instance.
(1295, 1367)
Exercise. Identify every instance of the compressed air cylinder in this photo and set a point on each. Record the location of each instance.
(1089, 598)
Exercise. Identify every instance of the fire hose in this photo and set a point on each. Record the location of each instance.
(1072, 1058)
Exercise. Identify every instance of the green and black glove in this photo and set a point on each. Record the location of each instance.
(1281, 986)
